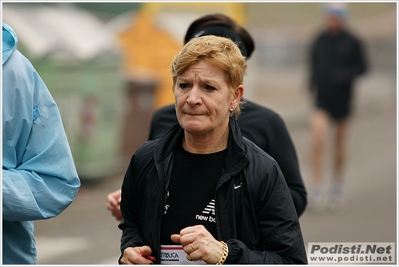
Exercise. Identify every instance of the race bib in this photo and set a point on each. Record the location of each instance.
(175, 255)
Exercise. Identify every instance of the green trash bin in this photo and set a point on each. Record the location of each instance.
(90, 96)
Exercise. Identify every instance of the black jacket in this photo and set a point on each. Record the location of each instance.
(266, 129)
(258, 220)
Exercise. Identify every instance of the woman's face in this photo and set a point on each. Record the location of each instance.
(203, 99)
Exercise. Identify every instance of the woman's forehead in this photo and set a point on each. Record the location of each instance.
(202, 69)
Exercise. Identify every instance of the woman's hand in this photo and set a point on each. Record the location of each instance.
(137, 255)
(113, 204)
(199, 244)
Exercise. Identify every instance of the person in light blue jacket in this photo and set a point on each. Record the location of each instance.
(39, 178)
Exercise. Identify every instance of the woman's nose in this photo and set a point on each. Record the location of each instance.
(194, 96)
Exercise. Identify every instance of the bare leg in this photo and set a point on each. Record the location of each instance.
(319, 125)
(336, 197)
(340, 155)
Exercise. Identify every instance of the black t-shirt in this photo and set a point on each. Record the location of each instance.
(191, 193)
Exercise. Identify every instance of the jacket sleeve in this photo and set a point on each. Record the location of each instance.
(280, 236)
(39, 178)
(353, 64)
(282, 149)
(140, 202)
(130, 225)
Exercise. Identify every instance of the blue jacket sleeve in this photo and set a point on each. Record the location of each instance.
(39, 178)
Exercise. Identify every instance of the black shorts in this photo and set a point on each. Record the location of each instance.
(337, 102)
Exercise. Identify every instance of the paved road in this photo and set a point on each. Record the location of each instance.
(86, 233)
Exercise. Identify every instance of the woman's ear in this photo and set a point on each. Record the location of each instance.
(239, 92)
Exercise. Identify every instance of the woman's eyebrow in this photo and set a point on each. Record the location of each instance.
(203, 80)
(183, 79)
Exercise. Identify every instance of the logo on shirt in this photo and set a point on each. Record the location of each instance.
(175, 255)
(208, 214)
(169, 256)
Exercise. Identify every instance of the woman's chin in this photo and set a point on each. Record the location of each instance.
(193, 127)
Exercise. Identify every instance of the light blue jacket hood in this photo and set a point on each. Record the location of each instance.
(10, 42)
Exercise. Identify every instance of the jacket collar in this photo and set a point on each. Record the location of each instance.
(236, 149)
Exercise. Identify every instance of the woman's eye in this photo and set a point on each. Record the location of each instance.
(184, 85)
(209, 88)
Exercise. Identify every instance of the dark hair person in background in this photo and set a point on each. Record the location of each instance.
(202, 191)
(259, 124)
